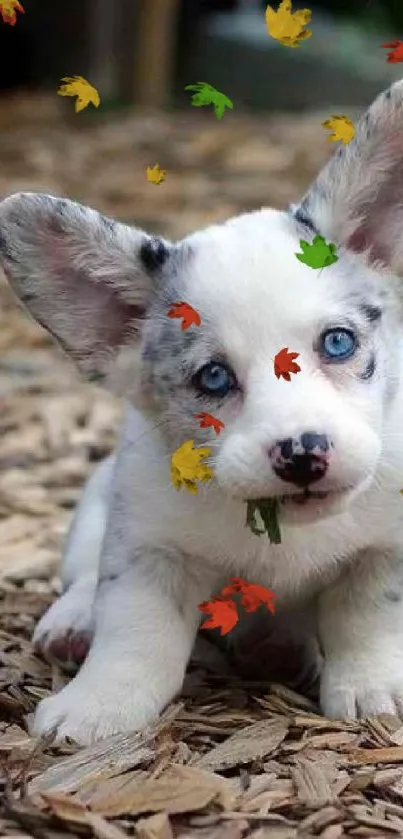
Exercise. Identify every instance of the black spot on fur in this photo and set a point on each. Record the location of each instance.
(372, 313)
(108, 578)
(388, 93)
(369, 370)
(108, 222)
(153, 254)
(302, 217)
(95, 376)
(29, 297)
(61, 206)
(5, 249)
(392, 596)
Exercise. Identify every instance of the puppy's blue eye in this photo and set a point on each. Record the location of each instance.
(214, 379)
(338, 344)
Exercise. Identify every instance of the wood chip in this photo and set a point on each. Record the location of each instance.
(103, 829)
(155, 827)
(360, 757)
(107, 758)
(254, 741)
(313, 787)
(182, 789)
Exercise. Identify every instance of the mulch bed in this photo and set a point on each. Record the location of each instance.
(229, 758)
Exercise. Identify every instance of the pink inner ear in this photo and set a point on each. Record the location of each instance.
(382, 210)
(94, 310)
(121, 320)
(365, 239)
(99, 312)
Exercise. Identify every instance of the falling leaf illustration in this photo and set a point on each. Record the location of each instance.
(156, 175)
(319, 254)
(284, 364)
(85, 92)
(223, 609)
(224, 614)
(208, 421)
(187, 468)
(288, 27)
(396, 53)
(9, 9)
(267, 508)
(253, 595)
(188, 313)
(206, 94)
(342, 127)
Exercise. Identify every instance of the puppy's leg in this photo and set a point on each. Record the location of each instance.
(64, 633)
(146, 619)
(361, 632)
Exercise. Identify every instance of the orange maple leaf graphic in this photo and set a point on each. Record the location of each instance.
(253, 595)
(9, 9)
(284, 364)
(188, 313)
(223, 613)
(208, 421)
(223, 610)
(396, 53)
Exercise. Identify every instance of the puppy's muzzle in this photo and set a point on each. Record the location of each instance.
(301, 460)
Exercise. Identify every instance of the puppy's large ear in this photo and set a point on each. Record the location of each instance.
(87, 279)
(357, 200)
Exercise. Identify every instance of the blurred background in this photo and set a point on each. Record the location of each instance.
(140, 54)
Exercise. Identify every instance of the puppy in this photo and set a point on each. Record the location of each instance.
(328, 444)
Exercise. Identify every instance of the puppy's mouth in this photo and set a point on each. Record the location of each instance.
(306, 495)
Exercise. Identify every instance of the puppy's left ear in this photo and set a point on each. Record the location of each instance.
(357, 199)
(87, 279)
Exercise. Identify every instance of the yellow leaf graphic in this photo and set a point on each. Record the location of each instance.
(85, 92)
(187, 468)
(156, 175)
(9, 9)
(286, 26)
(342, 127)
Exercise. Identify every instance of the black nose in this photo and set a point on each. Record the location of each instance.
(301, 460)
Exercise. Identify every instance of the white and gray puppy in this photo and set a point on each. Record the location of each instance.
(329, 444)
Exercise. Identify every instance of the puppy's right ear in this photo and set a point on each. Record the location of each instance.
(87, 279)
(357, 199)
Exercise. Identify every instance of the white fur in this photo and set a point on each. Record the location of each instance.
(143, 642)
(73, 611)
(161, 552)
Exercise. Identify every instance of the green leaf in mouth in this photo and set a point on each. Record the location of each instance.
(268, 511)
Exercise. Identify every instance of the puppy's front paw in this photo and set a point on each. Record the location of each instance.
(87, 711)
(63, 635)
(356, 688)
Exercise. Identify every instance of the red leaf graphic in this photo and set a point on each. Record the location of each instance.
(253, 595)
(284, 364)
(208, 421)
(183, 310)
(224, 614)
(396, 53)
